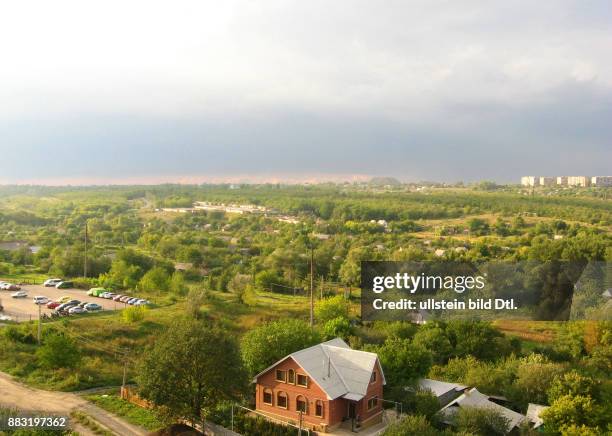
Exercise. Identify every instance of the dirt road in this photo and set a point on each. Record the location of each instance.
(15, 394)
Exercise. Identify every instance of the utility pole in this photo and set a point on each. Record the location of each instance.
(125, 362)
(85, 262)
(300, 424)
(311, 287)
(39, 323)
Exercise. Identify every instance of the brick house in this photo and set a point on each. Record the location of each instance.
(330, 383)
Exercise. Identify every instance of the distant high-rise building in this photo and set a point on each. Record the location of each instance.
(546, 181)
(578, 181)
(601, 181)
(530, 181)
(562, 180)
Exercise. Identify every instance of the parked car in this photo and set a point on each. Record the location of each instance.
(118, 297)
(52, 282)
(132, 300)
(141, 302)
(65, 285)
(64, 308)
(92, 307)
(125, 299)
(64, 299)
(76, 310)
(109, 295)
(19, 294)
(53, 304)
(6, 286)
(96, 292)
(40, 299)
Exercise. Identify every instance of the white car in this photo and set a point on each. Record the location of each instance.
(19, 294)
(40, 299)
(77, 310)
(141, 302)
(52, 282)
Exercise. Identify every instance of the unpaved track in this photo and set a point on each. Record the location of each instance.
(15, 394)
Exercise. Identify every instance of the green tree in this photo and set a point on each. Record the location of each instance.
(331, 308)
(270, 342)
(481, 421)
(572, 383)
(403, 362)
(434, 339)
(155, 280)
(569, 411)
(58, 351)
(189, 369)
(412, 425)
(339, 327)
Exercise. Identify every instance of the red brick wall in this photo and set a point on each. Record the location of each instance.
(374, 390)
(312, 393)
(333, 411)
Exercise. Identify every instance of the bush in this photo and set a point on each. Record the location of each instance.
(481, 421)
(58, 351)
(331, 308)
(412, 425)
(134, 314)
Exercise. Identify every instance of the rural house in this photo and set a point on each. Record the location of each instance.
(329, 383)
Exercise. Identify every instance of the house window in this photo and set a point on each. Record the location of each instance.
(282, 400)
(291, 376)
(372, 403)
(281, 375)
(267, 396)
(301, 404)
(319, 408)
(373, 377)
(302, 380)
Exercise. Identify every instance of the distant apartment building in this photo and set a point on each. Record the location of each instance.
(582, 181)
(546, 181)
(530, 181)
(601, 181)
(576, 181)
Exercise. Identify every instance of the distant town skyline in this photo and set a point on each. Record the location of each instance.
(295, 91)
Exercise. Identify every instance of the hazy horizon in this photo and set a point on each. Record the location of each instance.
(107, 92)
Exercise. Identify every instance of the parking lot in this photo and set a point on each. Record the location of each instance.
(23, 309)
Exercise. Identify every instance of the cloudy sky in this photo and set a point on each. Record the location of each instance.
(150, 91)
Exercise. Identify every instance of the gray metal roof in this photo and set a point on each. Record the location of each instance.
(336, 368)
(473, 398)
(439, 388)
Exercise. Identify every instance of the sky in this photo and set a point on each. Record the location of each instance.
(111, 92)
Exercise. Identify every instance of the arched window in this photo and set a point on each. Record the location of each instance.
(267, 396)
(282, 400)
(319, 408)
(301, 404)
(291, 376)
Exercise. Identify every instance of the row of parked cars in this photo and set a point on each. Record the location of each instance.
(128, 299)
(67, 305)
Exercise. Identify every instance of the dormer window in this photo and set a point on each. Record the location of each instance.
(291, 376)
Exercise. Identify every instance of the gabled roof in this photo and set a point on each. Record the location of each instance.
(473, 398)
(439, 388)
(336, 368)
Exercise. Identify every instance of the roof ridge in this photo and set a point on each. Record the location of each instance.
(335, 369)
(350, 349)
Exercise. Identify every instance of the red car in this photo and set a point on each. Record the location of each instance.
(52, 304)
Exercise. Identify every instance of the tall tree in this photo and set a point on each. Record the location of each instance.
(190, 368)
